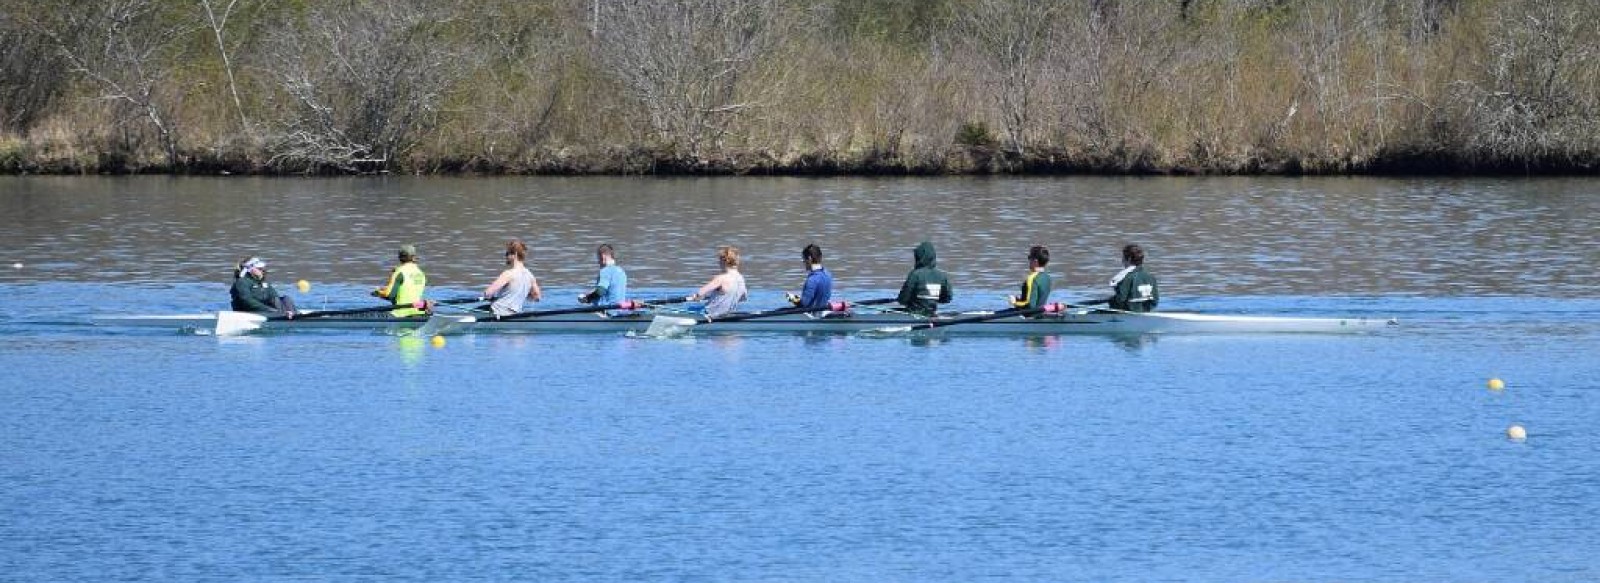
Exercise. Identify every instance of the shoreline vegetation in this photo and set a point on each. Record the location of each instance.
(799, 87)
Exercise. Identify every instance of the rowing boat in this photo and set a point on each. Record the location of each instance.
(1069, 322)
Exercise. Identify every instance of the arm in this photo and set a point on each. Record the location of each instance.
(714, 284)
(499, 283)
(1023, 300)
(908, 290)
(808, 296)
(395, 280)
(946, 292)
(602, 284)
(534, 293)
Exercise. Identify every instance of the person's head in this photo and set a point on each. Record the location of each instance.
(1132, 255)
(253, 267)
(812, 254)
(516, 251)
(925, 255)
(605, 254)
(408, 253)
(1039, 256)
(728, 255)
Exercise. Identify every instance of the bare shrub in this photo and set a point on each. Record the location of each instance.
(365, 79)
(683, 62)
(128, 51)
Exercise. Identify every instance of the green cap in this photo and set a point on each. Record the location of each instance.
(408, 250)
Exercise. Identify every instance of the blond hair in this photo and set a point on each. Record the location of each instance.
(515, 247)
(728, 255)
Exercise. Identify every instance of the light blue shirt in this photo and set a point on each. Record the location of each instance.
(614, 281)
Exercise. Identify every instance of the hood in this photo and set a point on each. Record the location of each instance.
(925, 255)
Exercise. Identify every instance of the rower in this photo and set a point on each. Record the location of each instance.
(611, 284)
(724, 292)
(517, 283)
(1133, 289)
(926, 286)
(406, 285)
(252, 293)
(1036, 288)
(818, 289)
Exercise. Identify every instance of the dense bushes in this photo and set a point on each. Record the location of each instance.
(819, 86)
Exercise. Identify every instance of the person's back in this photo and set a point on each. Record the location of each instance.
(614, 281)
(1134, 289)
(406, 285)
(515, 293)
(726, 298)
(1136, 292)
(926, 286)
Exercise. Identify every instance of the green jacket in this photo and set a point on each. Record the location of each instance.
(253, 295)
(1137, 292)
(926, 287)
(1035, 291)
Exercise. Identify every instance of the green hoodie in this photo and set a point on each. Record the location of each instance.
(1136, 292)
(253, 295)
(926, 287)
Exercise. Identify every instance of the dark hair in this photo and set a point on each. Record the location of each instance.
(605, 249)
(515, 247)
(1039, 253)
(1133, 254)
(812, 254)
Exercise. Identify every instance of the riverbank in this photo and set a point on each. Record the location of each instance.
(954, 162)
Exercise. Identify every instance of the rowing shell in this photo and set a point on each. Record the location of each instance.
(1076, 322)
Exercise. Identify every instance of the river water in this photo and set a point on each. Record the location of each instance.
(155, 455)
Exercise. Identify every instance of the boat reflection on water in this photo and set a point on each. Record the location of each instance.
(410, 349)
(1134, 342)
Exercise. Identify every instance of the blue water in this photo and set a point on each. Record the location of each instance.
(152, 455)
(142, 455)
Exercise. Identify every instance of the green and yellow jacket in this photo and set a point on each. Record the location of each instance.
(405, 287)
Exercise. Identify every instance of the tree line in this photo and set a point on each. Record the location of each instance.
(799, 86)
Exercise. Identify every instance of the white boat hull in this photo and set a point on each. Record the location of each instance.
(826, 323)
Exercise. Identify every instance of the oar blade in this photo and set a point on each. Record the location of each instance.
(444, 323)
(231, 323)
(886, 332)
(664, 325)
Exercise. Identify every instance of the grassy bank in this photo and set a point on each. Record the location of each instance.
(811, 87)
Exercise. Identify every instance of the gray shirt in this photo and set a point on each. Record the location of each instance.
(514, 293)
(719, 302)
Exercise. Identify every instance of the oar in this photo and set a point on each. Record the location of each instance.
(230, 323)
(935, 323)
(663, 324)
(623, 305)
(444, 323)
(383, 308)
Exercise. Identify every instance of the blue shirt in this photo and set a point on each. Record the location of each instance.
(818, 290)
(614, 281)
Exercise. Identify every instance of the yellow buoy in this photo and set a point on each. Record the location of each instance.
(1496, 384)
(304, 285)
(438, 341)
(1516, 433)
